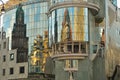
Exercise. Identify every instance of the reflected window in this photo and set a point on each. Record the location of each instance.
(76, 48)
(4, 58)
(37, 69)
(69, 48)
(71, 64)
(83, 48)
(94, 48)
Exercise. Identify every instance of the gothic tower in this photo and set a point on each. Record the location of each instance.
(19, 39)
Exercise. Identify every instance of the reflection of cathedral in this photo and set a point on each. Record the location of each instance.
(66, 34)
(79, 24)
(19, 39)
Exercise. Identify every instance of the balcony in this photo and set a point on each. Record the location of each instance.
(70, 50)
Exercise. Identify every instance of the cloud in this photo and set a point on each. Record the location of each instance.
(3, 1)
(118, 3)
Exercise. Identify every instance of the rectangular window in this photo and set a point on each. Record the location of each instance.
(3, 72)
(37, 69)
(4, 45)
(71, 64)
(4, 58)
(12, 56)
(76, 48)
(83, 48)
(11, 71)
(0, 46)
(22, 69)
(69, 48)
(94, 48)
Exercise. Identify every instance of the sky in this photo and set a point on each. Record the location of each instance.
(118, 3)
(4, 1)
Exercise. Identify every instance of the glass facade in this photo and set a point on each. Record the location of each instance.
(114, 2)
(68, 24)
(57, 1)
(35, 19)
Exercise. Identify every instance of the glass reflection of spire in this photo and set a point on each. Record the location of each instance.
(66, 27)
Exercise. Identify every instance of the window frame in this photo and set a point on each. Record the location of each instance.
(22, 69)
(4, 45)
(3, 72)
(4, 58)
(11, 71)
(11, 59)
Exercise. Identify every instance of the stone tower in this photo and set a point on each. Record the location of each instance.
(19, 39)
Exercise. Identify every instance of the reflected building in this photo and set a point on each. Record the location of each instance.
(19, 39)
(36, 23)
(35, 19)
(66, 33)
(29, 20)
(114, 2)
(77, 36)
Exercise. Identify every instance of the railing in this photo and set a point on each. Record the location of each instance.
(67, 50)
(71, 47)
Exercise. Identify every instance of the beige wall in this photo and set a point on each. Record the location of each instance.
(11, 64)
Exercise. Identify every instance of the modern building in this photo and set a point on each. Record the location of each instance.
(114, 2)
(14, 22)
(76, 40)
(79, 50)
(15, 61)
(35, 19)
(74, 35)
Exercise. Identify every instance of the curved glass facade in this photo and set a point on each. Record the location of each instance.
(54, 2)
(57, 1)
(68, 24)
(35, 18)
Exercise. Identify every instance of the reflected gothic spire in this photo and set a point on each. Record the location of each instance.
(66, 27)
(20, 15)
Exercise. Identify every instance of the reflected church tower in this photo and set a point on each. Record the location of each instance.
(66, 33)
(19, 39)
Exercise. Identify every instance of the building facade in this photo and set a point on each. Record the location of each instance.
(78, 49)
(15, 61)
(10, 69)
(73, 36)
(77, 40)
(35, 20)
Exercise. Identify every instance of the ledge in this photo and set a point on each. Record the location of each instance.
(70, 56)
(71, 69)
(82, 4)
